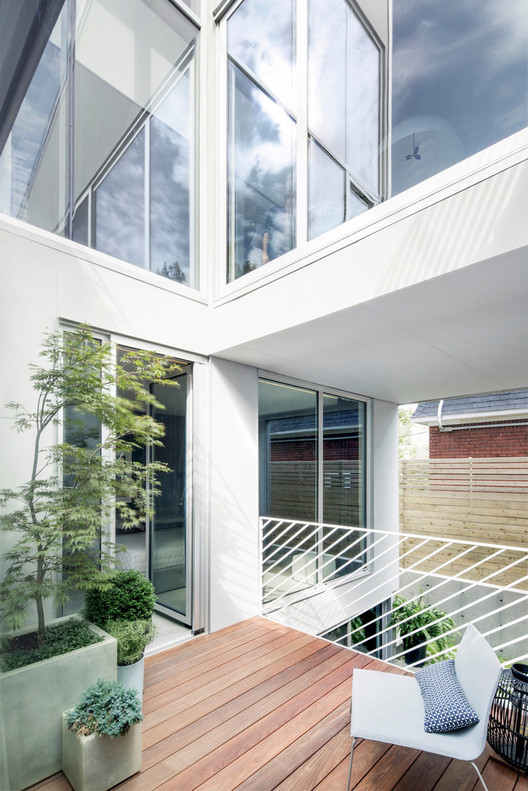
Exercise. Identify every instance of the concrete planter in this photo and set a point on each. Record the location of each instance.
(96, 763)
(32, 701)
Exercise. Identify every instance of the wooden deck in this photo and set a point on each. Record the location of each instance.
(259, 706)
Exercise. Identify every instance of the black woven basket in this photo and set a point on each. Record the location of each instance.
(508, 722)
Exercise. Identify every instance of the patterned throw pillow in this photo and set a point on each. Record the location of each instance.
(446, 707)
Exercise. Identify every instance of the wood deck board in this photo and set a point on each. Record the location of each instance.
(219, 696)
(237, 698)
(213, 654)
(239, 714)
(261, 707)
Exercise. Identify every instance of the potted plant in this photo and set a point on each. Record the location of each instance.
(132, 639)
(124, 609)
(55, 523)
(417, 622)
(101, 737)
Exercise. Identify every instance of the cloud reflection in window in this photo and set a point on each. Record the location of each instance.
(262, 154)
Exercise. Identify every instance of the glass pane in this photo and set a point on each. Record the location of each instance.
(133, 540)
(363, 106)
(355, 204)
(261, 178)
(326, 202)
(130, 58)
(343, 482)
(459, 82)
(327, 74)
(168, 541)
(83, 430)
(120, 206)
(33, 164)
(170, 184)
(288, 484)
(288, 448)
(81, 231)
(260, 37)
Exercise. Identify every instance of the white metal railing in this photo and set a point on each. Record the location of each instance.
(450, 581)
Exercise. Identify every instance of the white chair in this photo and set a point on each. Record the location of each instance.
(386, 707)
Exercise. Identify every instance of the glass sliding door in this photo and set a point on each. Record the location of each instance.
(312, 447)
(169, 545)
(161, 548)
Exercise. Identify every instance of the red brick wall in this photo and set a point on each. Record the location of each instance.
(497, 440)
(344, 449)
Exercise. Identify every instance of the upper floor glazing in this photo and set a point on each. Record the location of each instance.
(331, 106)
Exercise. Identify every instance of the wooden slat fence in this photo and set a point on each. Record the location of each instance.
(293, 490)
(483, 500)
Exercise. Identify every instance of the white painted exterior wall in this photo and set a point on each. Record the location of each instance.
(234, 538)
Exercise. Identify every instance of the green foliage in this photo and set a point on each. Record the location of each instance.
(129, 596)
(357, 631)
(60, 639)
(405, 447)
(132, 638)
(106, 708)
(74, 486)
(425, 621)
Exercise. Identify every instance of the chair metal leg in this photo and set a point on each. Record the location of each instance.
(350, 766)
(480, 776)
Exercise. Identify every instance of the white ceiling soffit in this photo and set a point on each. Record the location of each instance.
(458, 334)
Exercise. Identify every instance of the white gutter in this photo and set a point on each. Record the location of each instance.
(433, 420)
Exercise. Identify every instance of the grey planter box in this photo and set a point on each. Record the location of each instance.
(32, 701)
(96, 763)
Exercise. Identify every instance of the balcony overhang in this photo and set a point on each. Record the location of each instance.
(430, 303)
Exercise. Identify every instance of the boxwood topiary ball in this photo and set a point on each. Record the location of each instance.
(129, 597)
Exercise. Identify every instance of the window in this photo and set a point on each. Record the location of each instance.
(103, 147)
(312, 450)
(343, 115)
(459, 82)
(318, 93)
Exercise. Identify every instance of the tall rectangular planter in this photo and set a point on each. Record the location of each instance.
(96, 763)
(32, 700)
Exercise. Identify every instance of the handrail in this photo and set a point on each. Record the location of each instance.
(484, 582)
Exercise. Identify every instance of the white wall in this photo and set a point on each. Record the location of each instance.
(234, 541)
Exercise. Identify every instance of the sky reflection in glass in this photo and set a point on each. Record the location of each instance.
(170, 184)
(261, 193)
(459, 81)
(120, 206)
(260, 38)
(326, 201)
(20, 162)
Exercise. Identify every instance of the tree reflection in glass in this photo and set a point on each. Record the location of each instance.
(170, 181)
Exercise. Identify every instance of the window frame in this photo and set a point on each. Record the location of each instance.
(222, 14)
